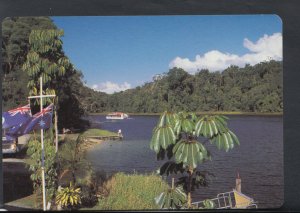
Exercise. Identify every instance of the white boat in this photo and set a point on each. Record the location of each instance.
(117, 115)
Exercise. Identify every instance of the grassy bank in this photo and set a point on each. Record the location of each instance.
(98, 132)
(129, 192)
(210, 113)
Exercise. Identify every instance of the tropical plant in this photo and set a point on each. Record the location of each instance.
(181, 136)
(34, 164)
(45, 59)
(68, 197)
(208, 204)
(70, 159)
(172, 198)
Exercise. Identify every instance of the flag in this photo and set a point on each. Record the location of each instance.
(19, 129)
(40, 120)
(15, 116)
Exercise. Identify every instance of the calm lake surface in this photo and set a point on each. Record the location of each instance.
(258, 159)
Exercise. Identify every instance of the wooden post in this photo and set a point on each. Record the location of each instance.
(43, 151)
(55, 126)
(238, 183)
(172, 183)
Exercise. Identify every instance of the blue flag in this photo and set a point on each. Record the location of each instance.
(40, 120)
(18, 130)
(16, 116)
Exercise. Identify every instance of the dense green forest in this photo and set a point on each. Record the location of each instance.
(15, 46)
(249, 89)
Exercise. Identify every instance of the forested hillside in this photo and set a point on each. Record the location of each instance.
(250, 89)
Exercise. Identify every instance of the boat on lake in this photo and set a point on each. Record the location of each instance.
(116, 115)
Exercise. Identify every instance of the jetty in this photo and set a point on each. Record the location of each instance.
(106, 137)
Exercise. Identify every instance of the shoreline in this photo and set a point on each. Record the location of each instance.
(204, 113)
(90, 143)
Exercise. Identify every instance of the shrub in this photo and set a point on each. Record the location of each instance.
(128, 192)
(69, 197)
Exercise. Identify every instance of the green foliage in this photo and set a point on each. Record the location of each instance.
(58, 73)
(71, 162)
(165, 135)
(73, 167)
(69, 197)
(186, 149)
(208, 204)
(184, 128)
(190, 153)
(131, 192)
(209, 126)
(171, 198)
(98, 132)
(15, 45)
(215, 128)
(89, 189)
(163, 132)
(255, 88)
(33, 162)
(45, 59)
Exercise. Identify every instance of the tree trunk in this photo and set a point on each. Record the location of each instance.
(190, 188)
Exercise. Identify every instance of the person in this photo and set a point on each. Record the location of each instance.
(120, 134)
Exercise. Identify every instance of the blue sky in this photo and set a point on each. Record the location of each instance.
(116, 53)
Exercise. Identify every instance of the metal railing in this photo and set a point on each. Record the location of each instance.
(224, 200)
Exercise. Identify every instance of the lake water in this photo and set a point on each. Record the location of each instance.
(258, 159)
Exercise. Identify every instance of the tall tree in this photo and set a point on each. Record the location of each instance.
(45, 59)
(15, 46)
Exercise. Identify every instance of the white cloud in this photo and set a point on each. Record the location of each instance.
(110, 87)
(264, 49)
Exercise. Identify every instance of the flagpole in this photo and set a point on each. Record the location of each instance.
(41, 96)
(43, 152)
(56, 130)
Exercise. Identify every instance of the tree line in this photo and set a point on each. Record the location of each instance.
(255, 88)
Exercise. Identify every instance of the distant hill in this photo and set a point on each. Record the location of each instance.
(255, 88)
